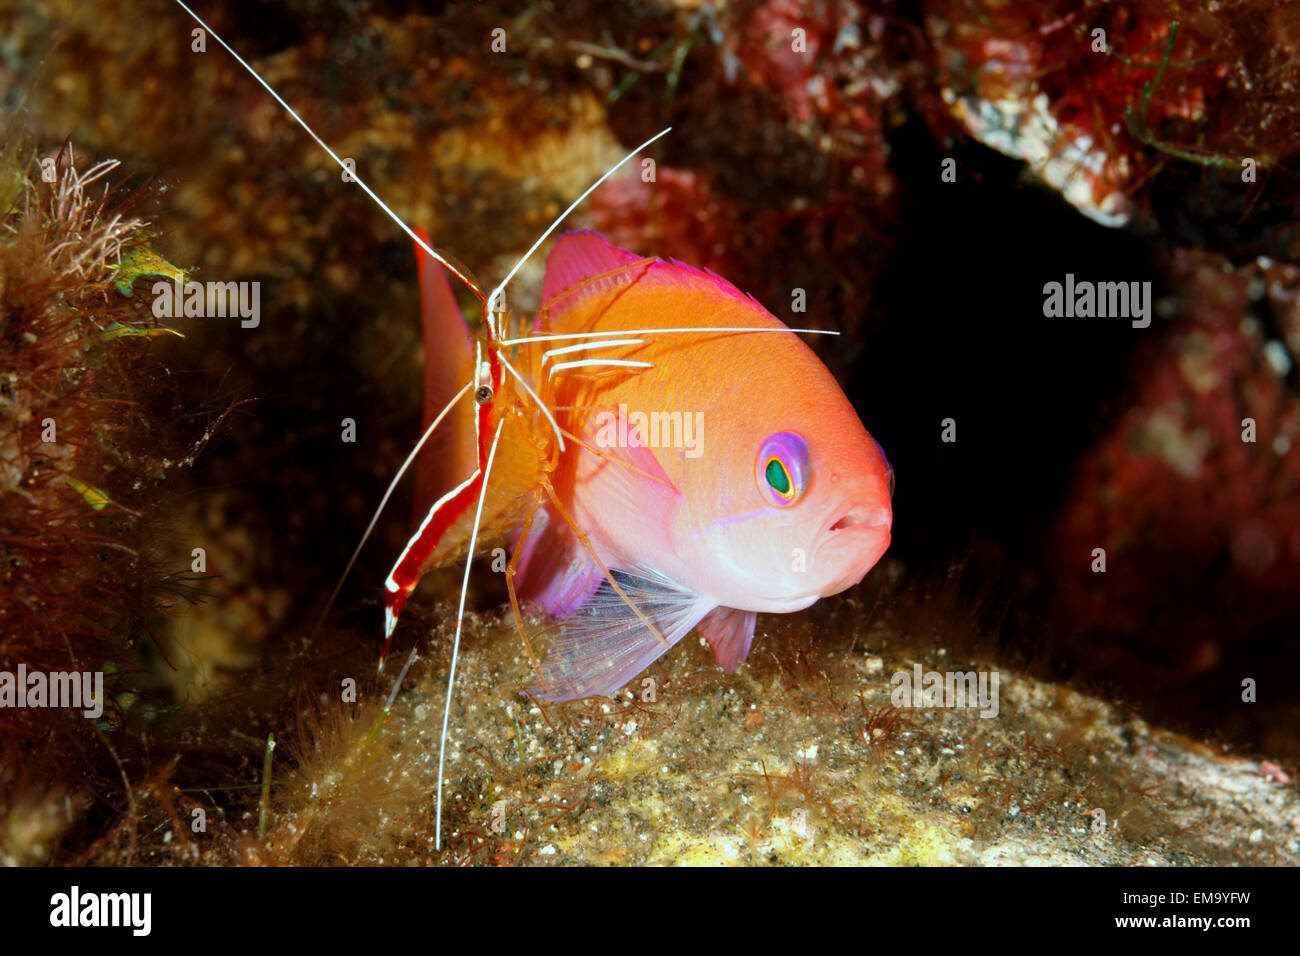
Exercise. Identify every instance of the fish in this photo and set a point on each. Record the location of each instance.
(768, 495)
(708, 477)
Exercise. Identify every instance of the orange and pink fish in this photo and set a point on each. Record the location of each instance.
(663, 454)
(704, 477)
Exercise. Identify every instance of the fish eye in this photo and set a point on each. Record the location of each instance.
(781, 469)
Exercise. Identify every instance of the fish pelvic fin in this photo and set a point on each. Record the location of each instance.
(730, 632)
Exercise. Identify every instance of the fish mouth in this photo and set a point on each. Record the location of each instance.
(851, 542)
(857, 517)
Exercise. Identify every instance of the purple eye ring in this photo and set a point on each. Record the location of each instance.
(782, 468)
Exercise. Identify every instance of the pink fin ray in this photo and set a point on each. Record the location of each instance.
(553, 569)
(605, 644)
(578, 257)
(730, 633)
(633, 487)
(585, 263)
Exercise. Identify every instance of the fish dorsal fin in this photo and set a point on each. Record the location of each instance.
(604, 645)
(584, 264)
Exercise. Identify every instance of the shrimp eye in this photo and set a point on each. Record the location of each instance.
(781, 469)
(483, 394)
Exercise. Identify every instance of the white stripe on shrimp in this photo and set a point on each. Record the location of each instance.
(460, 620)
(388, 493)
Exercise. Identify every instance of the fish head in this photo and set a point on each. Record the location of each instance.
(778, 497)
(801, 508)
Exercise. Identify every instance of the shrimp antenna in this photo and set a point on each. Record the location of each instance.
(460, 621)
(567, 337)
(349, 170)
(392, 486)
(493, 303)
(494, 299)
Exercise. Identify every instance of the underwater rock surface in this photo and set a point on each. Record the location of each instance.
(798, 758)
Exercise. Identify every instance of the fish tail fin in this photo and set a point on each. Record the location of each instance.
(451, 453)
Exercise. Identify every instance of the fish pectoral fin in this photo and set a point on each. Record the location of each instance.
(554, 570)
(606, 644)
(730, 633)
